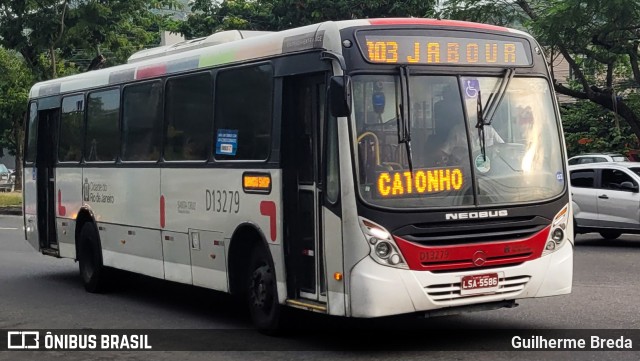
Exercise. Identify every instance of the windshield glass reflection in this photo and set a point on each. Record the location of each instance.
(523, 158)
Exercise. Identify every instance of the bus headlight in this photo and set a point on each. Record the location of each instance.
(557, 235)
(383, 248)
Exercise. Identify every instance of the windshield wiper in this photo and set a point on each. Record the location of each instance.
(495, 98)
(404, 115)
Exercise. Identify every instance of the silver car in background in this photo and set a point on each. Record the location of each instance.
(7, 179)
(606, 198)
(597, 158)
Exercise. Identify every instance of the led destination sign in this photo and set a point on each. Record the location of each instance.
(406, 49)
(423, 181)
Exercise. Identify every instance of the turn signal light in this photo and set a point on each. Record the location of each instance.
(256, 183)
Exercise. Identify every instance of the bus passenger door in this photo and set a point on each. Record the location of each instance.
(303, 110)
(45, 176)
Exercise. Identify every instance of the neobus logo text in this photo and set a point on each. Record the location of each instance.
(474, 215)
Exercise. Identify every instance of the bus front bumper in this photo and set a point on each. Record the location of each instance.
(377, 290)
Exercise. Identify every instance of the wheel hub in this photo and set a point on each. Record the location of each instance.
(260, 291)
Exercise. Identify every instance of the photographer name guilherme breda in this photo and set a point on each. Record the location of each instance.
(591, 343)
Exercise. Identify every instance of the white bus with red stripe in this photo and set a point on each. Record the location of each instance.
(361, 168)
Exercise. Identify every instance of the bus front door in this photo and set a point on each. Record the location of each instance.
(45, 177)
(303, 114)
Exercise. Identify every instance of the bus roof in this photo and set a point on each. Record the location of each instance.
(317, 36)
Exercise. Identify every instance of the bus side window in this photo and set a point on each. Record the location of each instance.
(243, 112)
(103, 141)
(141, 122)
(71, 129)
(189, 113)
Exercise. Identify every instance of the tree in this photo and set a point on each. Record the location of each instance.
(14, 88)
(210, 16)
(53, 37)
(114, 29)
(33, 28)
(598, 38)
(44, 30)
(589, 128)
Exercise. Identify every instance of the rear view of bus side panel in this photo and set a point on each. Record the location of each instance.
(68, 202)
(125, 203)
(30, 206)
(29, 172)
(203, 208)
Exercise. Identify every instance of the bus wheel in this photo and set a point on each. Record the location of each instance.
(262, 293)
(92, 270)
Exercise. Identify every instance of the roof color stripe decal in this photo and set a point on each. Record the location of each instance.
(299, 39)
(151, 71)
(435, 22)
(52, 89)
(122, 76)
(216, 59)
(176, 66)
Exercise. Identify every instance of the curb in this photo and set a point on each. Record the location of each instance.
(14, 211)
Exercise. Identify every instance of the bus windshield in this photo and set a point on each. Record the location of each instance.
(522, 161)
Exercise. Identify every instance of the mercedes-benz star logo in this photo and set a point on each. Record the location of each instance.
(479, 258)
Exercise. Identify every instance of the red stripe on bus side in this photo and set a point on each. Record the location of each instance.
(62, 210)
(162, 213)
(441, 258)
(268, 208)
(435, 22)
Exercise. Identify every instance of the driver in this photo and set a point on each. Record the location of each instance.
(456, 145)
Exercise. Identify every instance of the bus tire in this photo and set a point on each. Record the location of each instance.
(262, 293)
(92, 270)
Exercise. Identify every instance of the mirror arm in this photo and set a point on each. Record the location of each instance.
(330, 55)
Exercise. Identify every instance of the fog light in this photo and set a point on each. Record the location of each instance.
(557, 235)
(395, 259)
(383, 249)
(550, 246)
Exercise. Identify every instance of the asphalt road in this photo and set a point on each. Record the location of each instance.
(39, 292)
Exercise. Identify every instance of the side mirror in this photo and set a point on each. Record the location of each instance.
(340, 96)
(628, 186)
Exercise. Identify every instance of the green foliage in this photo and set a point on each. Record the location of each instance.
(115, 28)
(502, 13)
(590, 128)
(598, 38)
(61, 37)
(14, 92)
(10, 199)
(210, 16)
(78, 30)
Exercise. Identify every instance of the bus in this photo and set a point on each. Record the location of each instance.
(359, 168)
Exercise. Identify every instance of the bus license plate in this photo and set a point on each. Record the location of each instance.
(485, 283)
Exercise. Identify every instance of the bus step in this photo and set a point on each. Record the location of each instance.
(308, 305)
(50, 252)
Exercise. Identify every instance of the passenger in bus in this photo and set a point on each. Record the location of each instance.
(194, 149)
(444, 113)
(447, 114)
(458, 139)
(455, 148)
(524, 124)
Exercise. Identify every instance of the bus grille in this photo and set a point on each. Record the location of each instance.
(509, 286)
(456, 233)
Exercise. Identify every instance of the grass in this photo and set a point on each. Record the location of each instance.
(8, 199)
